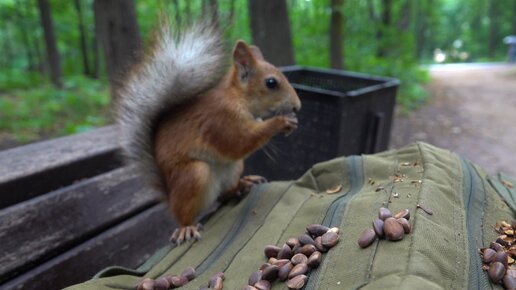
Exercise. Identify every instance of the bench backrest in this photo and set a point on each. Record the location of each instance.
(68, 207)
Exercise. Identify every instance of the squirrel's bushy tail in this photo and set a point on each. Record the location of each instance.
(181, 65)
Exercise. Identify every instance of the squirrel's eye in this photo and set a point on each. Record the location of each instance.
(271, 83)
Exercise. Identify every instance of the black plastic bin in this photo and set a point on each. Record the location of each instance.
(343, 113)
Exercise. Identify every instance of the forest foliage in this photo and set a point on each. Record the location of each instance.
(379, 37)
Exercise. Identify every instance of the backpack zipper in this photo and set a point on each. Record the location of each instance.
(240, 222)
(474, 196)
(474, 199)
(236, 228)
(335, 211)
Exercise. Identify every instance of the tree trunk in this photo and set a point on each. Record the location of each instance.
(34, 40)
(374, 19)
(82, 39)
(7, 55)
(95, 72)
(270, 30)
(336, 35)
(177, 11)
(21, 20)
(119, 36)
(50, 42)
(387, 13)
(420, 29)
(494, 39)
(210, 10)
(385, 25)
(231, 17)
(370, 11)
(513, 17)
(188, 12)
(40, 62)
(213, 11)
(406, 15)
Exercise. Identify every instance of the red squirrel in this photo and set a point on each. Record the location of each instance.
(188, 122)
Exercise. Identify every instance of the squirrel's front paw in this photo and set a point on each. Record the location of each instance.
(187, 233)
(290, 123)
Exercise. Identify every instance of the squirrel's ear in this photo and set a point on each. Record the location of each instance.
(243, 58)
(257, 52)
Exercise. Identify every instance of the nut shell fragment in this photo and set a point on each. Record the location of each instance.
(216, 283)
(334, 189)
(403, 214)
(146, 284)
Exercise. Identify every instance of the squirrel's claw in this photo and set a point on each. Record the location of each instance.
(253, 179)
(291, 123)
(187, 233)
(249, 181)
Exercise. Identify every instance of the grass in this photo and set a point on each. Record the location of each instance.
(32, 109)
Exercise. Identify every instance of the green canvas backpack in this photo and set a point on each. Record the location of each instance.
(441, 252)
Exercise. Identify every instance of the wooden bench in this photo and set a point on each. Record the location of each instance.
(69, 207)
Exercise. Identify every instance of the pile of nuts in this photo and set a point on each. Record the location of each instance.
(392, 228)
(293, 261)
(498, 259)
(289, 263)
(168, 281)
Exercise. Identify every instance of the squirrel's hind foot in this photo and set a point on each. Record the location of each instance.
(249, 181)
(242, 189)
(185, 234)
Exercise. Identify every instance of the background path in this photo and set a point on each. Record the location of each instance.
(472, 111)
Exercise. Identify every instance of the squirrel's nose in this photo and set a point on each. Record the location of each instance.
(297, 105)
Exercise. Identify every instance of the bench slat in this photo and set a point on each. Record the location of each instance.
(35, 169)
(128, 244)
(38, 229)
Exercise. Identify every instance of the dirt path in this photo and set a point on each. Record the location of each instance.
(471, 111)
